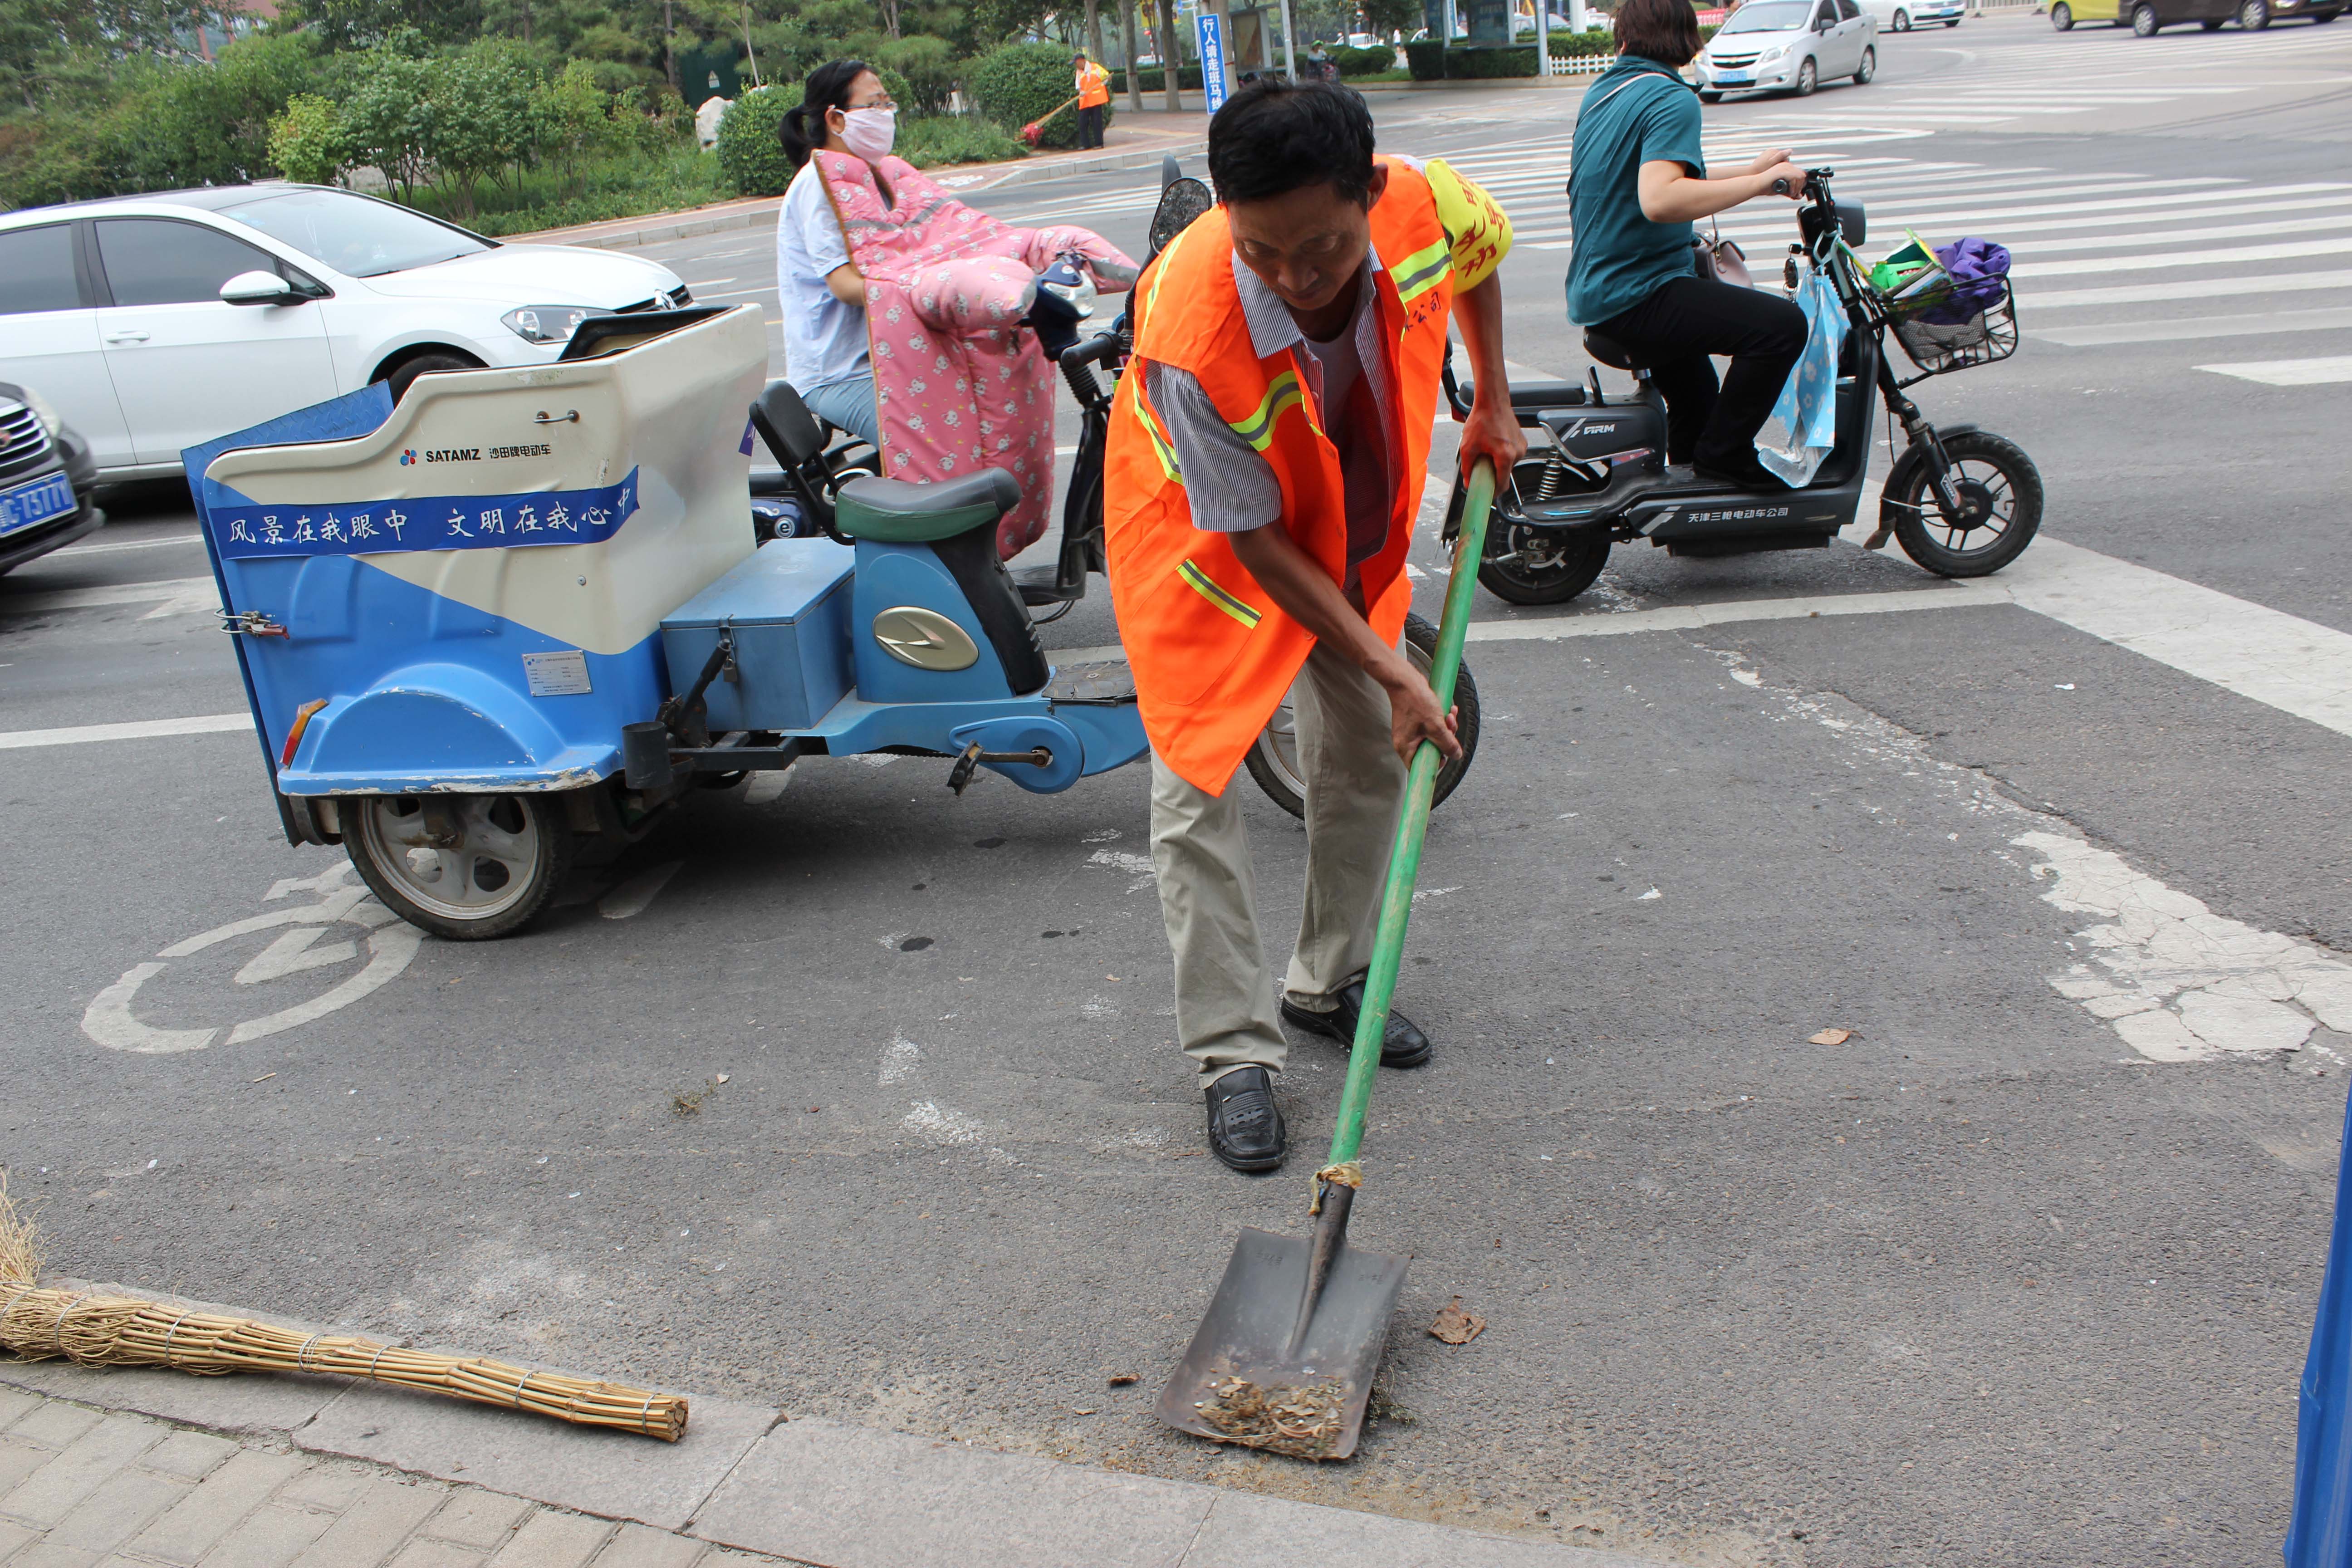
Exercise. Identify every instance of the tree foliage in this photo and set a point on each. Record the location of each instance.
(1024, 82)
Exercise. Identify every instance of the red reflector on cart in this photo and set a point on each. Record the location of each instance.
(294, 736)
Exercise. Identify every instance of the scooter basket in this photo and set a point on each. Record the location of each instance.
(1938, 343)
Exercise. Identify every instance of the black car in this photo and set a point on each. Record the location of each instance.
(47, 476)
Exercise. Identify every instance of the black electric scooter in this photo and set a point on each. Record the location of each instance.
(1962, 500)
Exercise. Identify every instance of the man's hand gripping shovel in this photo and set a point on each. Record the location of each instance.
(1286, 1358)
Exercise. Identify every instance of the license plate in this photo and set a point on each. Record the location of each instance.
(39, 502)
(1731, 79)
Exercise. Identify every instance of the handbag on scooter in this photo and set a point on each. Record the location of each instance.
(1720, 260)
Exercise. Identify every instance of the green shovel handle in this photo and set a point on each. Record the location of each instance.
(1421, 790)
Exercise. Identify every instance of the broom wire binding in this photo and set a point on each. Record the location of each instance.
(95, 1329)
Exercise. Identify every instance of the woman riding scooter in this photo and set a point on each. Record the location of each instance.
(844, 108)
(1638, 182)
(946, 298)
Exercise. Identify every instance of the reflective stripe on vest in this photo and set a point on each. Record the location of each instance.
(1201, 584)
(1160, 445)
(1283, 392)
(1422, 270)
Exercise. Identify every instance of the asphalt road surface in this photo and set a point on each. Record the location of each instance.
(2020, 1271)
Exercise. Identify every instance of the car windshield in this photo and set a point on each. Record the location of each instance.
(356, 237)
(1769, 16)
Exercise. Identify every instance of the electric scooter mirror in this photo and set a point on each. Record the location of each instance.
(1181, 201)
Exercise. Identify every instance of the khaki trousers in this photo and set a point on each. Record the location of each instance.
(1225, 1015)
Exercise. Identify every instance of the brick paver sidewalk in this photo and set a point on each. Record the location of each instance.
(81, 1487)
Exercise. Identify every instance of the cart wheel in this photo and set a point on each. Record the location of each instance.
(462, 866)
(1273, 761)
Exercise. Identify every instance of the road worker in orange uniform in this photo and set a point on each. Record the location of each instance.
(1094, 96)
(1266, 459)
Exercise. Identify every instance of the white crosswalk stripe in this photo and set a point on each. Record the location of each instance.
(2101, 262)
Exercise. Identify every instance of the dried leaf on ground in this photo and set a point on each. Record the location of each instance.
(1304, 1423)
(1457, 1327)
(1829, 1038)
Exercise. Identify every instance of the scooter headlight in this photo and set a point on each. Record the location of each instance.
(548, 323)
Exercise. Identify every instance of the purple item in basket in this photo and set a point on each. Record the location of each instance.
(1977, 268)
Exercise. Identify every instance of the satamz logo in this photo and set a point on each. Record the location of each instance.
(455, 455)
(408, 458)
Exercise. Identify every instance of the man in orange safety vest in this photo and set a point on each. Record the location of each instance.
(1264, 474)
(1094, 95)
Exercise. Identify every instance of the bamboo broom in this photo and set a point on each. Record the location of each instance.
(93, 1329)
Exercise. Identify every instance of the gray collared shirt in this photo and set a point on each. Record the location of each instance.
(1228, 485)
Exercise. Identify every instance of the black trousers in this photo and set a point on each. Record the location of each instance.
(1091, 127)
(1672, 333)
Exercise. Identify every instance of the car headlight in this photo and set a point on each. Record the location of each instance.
(41, 410)
(547, 323)
(1769, 55)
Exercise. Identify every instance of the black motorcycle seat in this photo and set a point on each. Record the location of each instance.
(792, 433)
(892, 511)
(1608, 350)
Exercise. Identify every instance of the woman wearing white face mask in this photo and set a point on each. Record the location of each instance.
(844, 107)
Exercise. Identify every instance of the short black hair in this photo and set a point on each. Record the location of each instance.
(1665, 31)
(1275, 136)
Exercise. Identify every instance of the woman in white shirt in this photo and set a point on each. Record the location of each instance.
(844, 107)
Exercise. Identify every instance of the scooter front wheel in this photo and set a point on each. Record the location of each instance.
(462, 866)
(2000, 491)
(1274, 762)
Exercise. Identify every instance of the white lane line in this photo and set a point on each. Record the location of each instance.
(2234, 256)
(142, 729)
(173, 589)
(2284, 321)
(1691, 617)
(2294, 665)
(2193, 288)
(2282, 661)
(2289, 371)
(125, 544)
(2010, 231)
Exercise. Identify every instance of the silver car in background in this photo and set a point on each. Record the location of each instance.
(1788, 46)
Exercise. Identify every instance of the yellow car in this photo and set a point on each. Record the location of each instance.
(2145, 16)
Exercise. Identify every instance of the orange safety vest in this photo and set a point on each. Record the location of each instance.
(1094, 86)
(1213, 654)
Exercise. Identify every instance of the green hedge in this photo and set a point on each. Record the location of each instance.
(1364, 62)
(750, 159)
(1154, 79)
(1022, 82)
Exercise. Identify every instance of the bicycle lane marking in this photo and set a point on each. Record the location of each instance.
(109, 1021)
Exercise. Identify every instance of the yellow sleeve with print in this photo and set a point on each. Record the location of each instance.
(1475, 224)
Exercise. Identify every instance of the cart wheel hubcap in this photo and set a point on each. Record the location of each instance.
(466, 858)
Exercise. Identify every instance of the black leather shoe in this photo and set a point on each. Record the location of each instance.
(1402, 1044)
(1244, 1124)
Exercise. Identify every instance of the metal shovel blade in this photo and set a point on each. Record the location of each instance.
(1238, 1383)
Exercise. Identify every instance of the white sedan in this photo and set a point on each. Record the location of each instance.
(157, 323)
(1788, 46)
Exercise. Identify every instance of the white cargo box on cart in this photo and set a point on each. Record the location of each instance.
(465, 593)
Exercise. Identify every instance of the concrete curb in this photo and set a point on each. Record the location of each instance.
(817, 1491)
